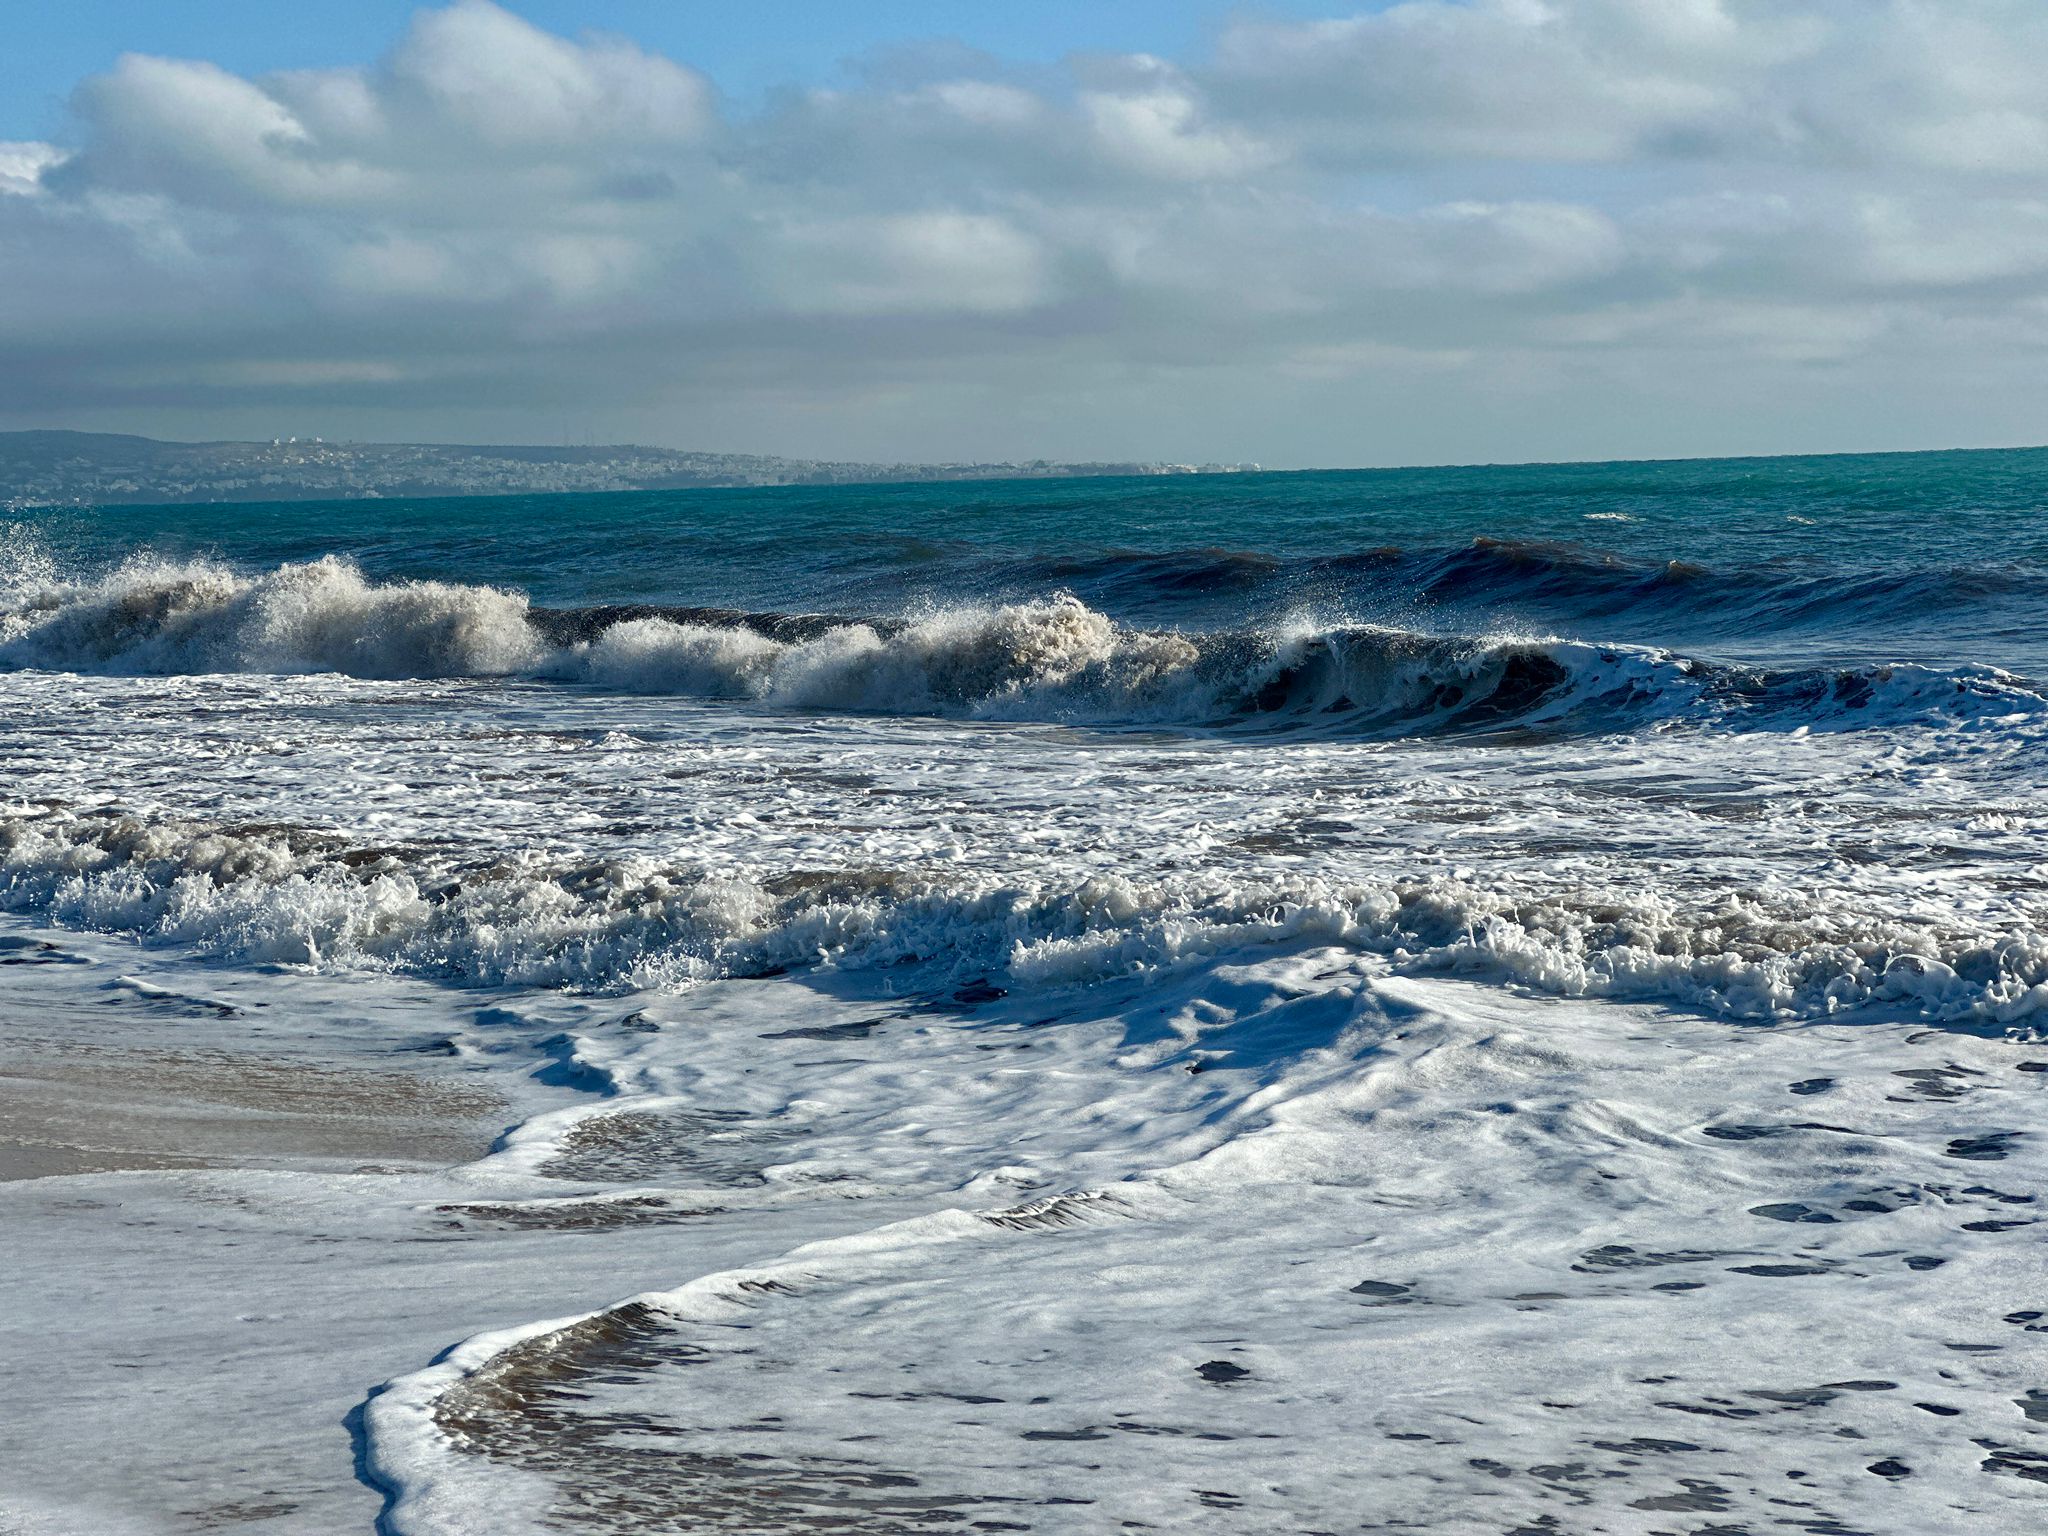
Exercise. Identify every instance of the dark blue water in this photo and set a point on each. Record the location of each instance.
(1939, 558)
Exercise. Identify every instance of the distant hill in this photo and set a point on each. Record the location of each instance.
(54, 468)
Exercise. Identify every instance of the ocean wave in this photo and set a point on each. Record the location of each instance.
(1569, 578)
(153, 616)
(306, 898)
(1050, 659)
(1790, 604)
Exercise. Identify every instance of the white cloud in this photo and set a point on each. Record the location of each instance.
(192, 130)
(22, 166)
(1990, 241)
(1550, 200)
(513, 85)
(984, 103)
(1153, 121)
(1897, 83)
(907, 264)
(1596, 80)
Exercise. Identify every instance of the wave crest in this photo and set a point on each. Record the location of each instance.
(1052, 658)
(152, 616)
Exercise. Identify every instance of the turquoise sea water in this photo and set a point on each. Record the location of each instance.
(1935, 557)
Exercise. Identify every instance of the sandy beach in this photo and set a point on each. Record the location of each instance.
(99, 1109)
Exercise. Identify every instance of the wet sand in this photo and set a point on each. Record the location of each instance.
(72, 1109)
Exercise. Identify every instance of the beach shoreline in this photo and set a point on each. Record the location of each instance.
(67, 1110)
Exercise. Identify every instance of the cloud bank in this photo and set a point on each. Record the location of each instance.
(1444, 229)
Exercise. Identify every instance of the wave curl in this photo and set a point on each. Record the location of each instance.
(1050, 658)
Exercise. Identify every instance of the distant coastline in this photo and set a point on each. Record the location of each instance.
(60, 468)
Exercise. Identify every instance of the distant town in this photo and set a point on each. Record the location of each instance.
(54, 468)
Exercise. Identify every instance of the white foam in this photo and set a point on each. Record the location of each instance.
(1050, 659)
(635, 923)
(1473, 1260)
(322, 616)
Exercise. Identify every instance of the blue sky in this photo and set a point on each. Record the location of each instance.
(749, 47)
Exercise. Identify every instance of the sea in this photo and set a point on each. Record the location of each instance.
(1500, 1000)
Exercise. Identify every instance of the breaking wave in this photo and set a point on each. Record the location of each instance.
(308, 899)
(1052, 659)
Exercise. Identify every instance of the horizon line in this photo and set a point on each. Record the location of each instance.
(789, 458)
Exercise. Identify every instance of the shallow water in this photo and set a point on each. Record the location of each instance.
(1459, 1000)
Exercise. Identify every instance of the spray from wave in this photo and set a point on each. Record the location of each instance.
(197, 617)
(1050, 658)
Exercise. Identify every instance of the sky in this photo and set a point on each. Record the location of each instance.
(1297, 234)
(749, 49)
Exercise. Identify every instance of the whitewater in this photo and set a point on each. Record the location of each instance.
(1483, 1001)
